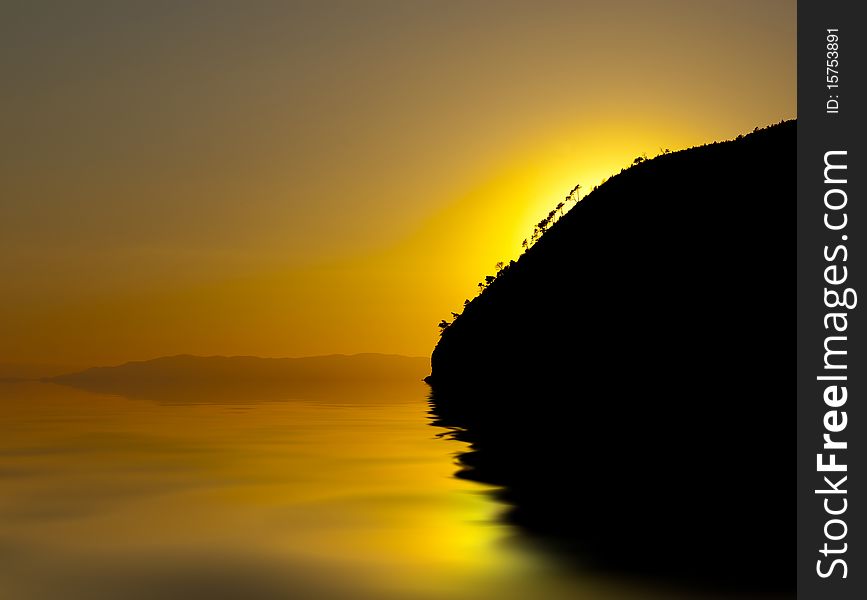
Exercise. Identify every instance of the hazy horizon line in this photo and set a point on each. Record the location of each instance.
(8, 373)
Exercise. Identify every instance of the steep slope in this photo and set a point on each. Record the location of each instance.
(642, 352)
(697, 234)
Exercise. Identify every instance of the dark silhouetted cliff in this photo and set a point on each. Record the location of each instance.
(629, 381)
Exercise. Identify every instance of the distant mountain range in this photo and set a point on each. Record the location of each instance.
(186, 367)
(187, 378)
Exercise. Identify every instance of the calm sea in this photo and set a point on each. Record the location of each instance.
(348, 493)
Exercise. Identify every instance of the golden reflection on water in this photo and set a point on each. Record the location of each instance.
(104, 497)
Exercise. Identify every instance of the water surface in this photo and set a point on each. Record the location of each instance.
(344, 493)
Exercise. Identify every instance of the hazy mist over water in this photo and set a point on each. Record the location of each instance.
(105, 497)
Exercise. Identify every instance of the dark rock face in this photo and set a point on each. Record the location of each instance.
(628, 382)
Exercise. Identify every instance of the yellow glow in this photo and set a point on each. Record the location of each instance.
(285, 183)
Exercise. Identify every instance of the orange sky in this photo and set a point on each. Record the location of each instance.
(296, 178)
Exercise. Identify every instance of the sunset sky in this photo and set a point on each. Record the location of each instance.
(300, 178)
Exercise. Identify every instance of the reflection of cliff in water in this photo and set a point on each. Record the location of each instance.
(622, 496)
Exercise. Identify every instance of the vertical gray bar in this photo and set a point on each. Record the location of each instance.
(829, 120)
